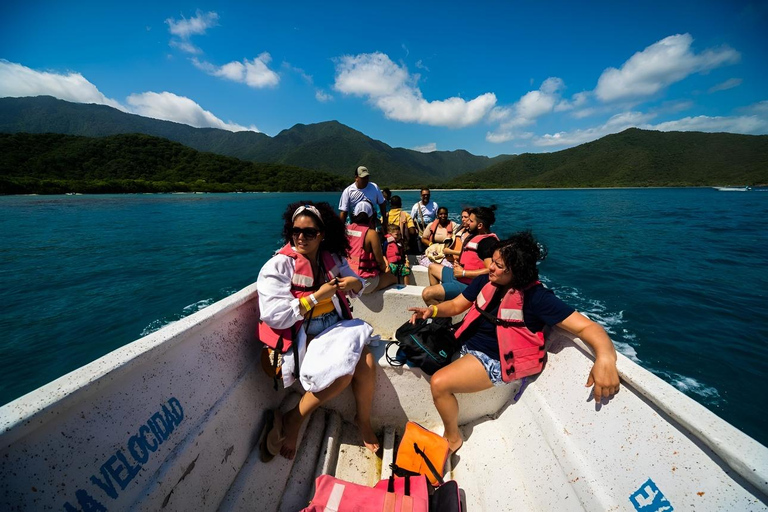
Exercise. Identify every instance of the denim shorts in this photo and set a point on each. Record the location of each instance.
(318, 324)
(492, 366)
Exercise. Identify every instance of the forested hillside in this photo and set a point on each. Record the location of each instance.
(329, 146)
(636, 158)
(54, 163)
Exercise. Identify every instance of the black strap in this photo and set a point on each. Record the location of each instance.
(391, 484)
(408, 486)
(429, 464)
(275, 356)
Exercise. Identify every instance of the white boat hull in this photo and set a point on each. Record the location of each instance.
(171, 421)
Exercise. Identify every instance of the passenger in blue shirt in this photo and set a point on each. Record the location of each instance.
(513, 268)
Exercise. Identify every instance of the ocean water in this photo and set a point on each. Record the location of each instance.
(678, 277)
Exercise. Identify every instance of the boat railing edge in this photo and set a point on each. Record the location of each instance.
(746, 456)
(76, 385)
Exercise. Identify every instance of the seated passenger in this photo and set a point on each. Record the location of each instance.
(496, 351)
(453, 247)
(447, 283)
(365, 256)
(302, 293)
(440, 229)
(398, 261)
(401, 218)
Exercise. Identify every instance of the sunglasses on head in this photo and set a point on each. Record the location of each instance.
(309, 233)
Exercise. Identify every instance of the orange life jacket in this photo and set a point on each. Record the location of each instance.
(469, 259)
(302, 285)
(395, 250)
(521, 351)
(360, 260)
(433, 230)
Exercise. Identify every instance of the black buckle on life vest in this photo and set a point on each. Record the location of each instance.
(510, 370)
(508, 356)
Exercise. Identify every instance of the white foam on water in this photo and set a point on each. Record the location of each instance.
(156, 325)
(691, 386)
(197, 306)
(613, 322)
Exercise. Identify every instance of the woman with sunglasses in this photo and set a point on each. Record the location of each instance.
(302, 292)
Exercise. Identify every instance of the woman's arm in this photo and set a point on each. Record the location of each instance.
(277, 306)
(349, 282)
(604, 374)
(373, 245)
(445, 309)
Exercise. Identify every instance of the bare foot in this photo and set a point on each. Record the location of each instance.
(369, 436)
(455, 444)
(291, 430)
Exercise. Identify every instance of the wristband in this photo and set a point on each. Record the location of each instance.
(313, 299)
(304, 302)
(434, 311)
(463, 273)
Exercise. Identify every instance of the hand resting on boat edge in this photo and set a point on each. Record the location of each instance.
(502, 333)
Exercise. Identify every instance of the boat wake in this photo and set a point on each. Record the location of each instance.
(625, 341)
(158, 324)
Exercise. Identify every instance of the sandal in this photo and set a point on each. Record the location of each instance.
(272, 437)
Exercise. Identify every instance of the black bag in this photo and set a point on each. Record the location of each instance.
(446, 498)
(428, 344)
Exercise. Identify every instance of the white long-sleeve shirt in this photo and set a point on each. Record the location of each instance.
(279, 309)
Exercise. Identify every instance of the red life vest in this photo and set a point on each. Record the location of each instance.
(521, 351)
(469, 258)
(395, 250)
(361, 261)
(433, 230)
(302, 285)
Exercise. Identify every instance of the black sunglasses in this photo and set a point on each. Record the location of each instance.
(309, 233)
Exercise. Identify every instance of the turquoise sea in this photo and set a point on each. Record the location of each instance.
(679, 277)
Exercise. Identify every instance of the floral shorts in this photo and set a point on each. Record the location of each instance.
(492, 366)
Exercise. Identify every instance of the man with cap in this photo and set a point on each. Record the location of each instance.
(361, 190)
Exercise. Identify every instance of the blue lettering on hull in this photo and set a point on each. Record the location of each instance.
(121, 467)
(648, 498)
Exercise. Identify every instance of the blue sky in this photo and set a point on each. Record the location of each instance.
(490, 77)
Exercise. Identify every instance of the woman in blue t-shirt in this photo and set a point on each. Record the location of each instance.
(511, 285)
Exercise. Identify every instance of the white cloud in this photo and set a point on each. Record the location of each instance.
(426, 148)
(18, 81)
(658, 66)
(577, 100)
(393, 90)
(756, 123)
(728, 84)
(527, 109)
(254, 73)
(759, 108)
(615, 124)
(732, 124)
(322, 96)
(170, 107)
(184, 29)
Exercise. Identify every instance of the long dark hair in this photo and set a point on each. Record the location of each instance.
(520, 253)
(334, 233)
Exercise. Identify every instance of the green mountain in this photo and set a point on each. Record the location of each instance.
(54, 163)
(635, 158)
(330, 146)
